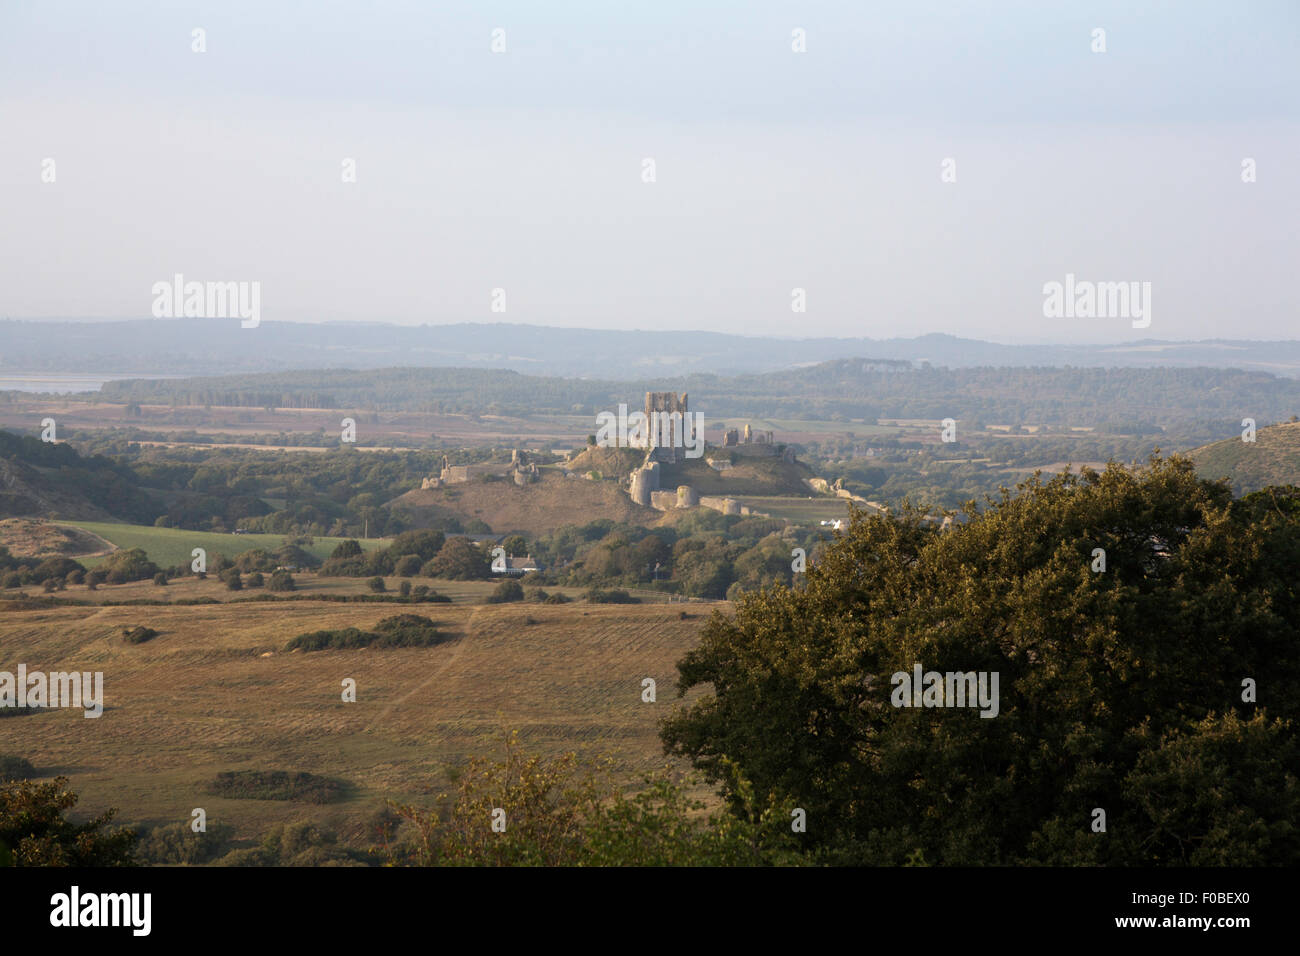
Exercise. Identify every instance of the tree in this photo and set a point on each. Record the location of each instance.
(282, 581)
(459, 560)
(33, 831)
(376, 584)
(1119, 689)
(347, 549)
(515, 546)
(408, 565)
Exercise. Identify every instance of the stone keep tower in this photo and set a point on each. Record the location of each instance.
(661, 445)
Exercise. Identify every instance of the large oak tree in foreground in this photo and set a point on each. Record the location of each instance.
(1120, 690)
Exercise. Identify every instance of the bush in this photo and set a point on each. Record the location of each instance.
(614, 596)
(555, 597)
(12, 580)
(55, 568)
(34, 831)
(130, 565)
(138, 634)
(376, 584)
(459, 560)
(506, 591)
(276, 785)
(178, 844)
(293, 844)
(282, 581)
(401, 630)
(405, 589)
(160, 579)
(346, 549)
(15, 768)
(255, 559)
(408, 565)
(233, 581)
(255, 580)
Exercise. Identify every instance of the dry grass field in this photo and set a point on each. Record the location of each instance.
(215, 690)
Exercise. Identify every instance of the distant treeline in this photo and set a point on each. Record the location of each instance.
(841, 389)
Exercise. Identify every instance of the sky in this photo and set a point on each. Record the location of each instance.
(774, 170)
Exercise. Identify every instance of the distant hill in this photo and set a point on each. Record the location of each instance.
(1114, 400)
(216, 347)
(1272, 459)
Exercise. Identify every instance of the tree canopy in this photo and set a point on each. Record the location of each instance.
(1125, 690)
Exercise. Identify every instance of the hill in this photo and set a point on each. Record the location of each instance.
(1272, 459)
(541, 507)
(203, 347)
(48, 479)
(168, 547)
(27, 538)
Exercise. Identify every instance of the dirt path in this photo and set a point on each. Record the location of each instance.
(457, 650)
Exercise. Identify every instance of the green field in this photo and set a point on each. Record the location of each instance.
(172, 546)
(799, 510)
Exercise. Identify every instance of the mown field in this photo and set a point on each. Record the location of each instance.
(215, 690)
(172, 546)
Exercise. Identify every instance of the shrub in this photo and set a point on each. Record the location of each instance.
(12, 580)
(555, 597)
(55, 568)
(233, 581)
(376, 584)
(347, 549)
(177, 843)
(459, 560)
(21, 711)
(408, 565)
(506, 591)
(401, 630)
(294, 844)
(276, 785)
(138, 634)
(405, 589)
(256, 559)
(282, 581)
(15, 768)
(255, 580)
(613, 596)
(130, 565)
(160, 579)
(34, 831)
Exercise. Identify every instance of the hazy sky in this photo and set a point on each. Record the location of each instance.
(522, 170)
